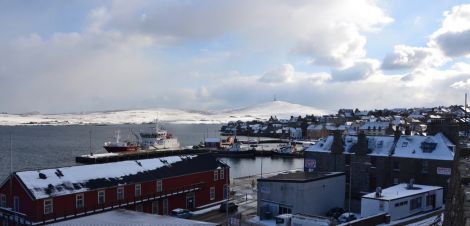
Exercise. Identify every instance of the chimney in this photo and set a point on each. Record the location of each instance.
(410, 184)
(397, 133)
(378, 192)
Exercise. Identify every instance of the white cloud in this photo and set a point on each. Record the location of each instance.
(279, 75)
(453, 36)
(362, 69)
(330, 33)
(408, 57)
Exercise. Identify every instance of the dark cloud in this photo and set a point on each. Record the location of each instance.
(454, 44)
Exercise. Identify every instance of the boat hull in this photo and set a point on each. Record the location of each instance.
(119, 149)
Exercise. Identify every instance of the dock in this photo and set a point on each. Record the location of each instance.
(147, 154)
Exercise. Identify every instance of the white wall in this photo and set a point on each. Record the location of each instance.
(313, 198)
(371, 206)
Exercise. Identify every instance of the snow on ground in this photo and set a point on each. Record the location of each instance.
(263, 111)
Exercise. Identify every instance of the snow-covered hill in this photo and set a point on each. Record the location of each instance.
(262, 111)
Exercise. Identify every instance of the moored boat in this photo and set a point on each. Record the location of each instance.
(118, 146)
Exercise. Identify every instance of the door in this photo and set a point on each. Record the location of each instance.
(190, 201)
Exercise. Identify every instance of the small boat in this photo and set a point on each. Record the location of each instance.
(118, 146)
(235, 150)
(289, 150)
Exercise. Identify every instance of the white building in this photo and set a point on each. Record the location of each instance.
(403, 200)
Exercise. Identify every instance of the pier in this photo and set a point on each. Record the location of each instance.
(114, 157)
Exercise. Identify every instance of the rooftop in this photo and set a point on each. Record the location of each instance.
(301, 176)
(401, 191)
(45, 183)
(127, 217)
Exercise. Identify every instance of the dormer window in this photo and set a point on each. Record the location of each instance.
(404, 144)
(428, 146)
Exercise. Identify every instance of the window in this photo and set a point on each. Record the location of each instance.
(165, 206)
(139, 207)
(428, 146)
(404, 144)
(120, 193)
(415, 203)
(284, 210)
(395, 180)
(138, 190)
(396, 165)
(373, 161)
(431, 200)
(79, 201)
(424, 166)
(48, 206)
(16, 203)
(159, 186)
(404, 203)
(212, 193)
(3, 200)
(216, 175)
(222, 174)
(101, 197)
(155, 207)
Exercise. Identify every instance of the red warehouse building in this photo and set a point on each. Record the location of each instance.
(152, 185)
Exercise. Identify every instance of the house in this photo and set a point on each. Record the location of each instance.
(402, 200)
(385, 161)
(295, 192)
(151, 185)
(376, 128)
(213, 143)
(295, 133)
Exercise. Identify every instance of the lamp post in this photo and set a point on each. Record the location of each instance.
(226, 191)
(350, 180)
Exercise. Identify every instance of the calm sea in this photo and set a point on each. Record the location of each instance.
(36, 147)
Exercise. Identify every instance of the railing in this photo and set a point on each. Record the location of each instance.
(60, 215)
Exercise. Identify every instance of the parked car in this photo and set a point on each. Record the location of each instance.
(346, 217)
(335, 212)
(231, 207)
(181, 213)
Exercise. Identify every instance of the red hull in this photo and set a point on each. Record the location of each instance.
(132, 148)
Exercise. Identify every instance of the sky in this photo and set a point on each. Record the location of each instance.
(83, 55)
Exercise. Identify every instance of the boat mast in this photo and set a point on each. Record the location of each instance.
(11, 169)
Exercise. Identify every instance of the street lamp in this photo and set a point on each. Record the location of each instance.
(350, 180)
(226, 191)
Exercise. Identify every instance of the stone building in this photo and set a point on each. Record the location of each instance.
(385, 160)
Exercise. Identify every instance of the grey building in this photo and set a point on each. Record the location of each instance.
(312, 193)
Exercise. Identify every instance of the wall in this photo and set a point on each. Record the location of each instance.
(312, 198)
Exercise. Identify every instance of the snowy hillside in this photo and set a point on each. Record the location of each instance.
(280, 109)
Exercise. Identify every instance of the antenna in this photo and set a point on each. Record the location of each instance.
(465, 108)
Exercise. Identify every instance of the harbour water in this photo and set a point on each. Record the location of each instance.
(36, 147)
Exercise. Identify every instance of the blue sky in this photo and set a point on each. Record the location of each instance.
(101, 55)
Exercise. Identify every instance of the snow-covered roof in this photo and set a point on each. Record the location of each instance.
(384, 146)
(75, 179)
(128, 217)
(410, 147)
(401, 191)
(380, 145)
